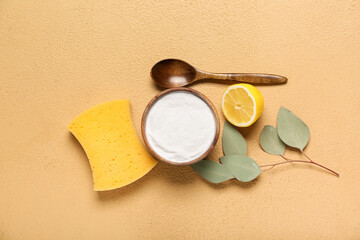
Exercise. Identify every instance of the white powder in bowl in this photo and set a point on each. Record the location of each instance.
(180, 127)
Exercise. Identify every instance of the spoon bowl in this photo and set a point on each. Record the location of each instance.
(170, 73)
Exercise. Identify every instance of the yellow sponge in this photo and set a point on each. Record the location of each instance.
(107, 135)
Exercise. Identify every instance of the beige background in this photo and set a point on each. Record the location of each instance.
(58, 58)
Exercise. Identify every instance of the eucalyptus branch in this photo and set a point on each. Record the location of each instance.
(298, 161)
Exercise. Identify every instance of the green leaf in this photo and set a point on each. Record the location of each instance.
(233, 142)
(292, 130)
(270, 141)
(242, 168)
(212, 171)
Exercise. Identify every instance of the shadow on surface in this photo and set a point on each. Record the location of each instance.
(224, 82)
(164, 172)
(233, 182)
(80, 152)
(230, 82)
(247, 132)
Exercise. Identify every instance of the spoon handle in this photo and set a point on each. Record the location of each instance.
(257, 78)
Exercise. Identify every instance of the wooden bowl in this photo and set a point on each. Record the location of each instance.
(196, 93)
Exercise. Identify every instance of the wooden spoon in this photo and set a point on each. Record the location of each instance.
(171, 73)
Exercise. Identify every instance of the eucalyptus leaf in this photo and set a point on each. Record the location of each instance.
(212, 171)
(292, 130)
(243, 168)
(233, 142)
(270, 141)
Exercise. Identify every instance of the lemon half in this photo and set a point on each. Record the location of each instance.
(242, 104)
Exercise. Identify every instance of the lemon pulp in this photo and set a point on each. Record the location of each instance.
(242, 104)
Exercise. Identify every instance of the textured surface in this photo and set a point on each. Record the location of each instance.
(61, 57)
(107, 135)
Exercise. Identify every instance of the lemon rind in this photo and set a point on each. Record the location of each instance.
(252, 119)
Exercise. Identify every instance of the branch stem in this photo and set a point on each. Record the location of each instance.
(299, 161)
(306, 156)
